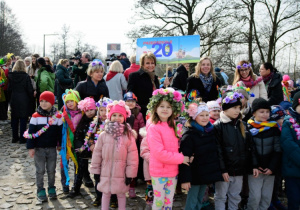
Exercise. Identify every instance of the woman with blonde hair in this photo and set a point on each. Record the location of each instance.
(203, 83)
(21, 91)
(116, 81)
(48, 61)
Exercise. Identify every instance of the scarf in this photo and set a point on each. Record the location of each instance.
(152, 77)
(206, 81)
(208, 128)
(249, 82)
(268, 78)
(46, 113)
(110, 75)
(259, 127)
(116, 130)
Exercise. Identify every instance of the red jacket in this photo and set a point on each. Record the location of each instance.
(133, 68)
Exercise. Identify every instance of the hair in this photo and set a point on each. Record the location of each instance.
(148, 55)
(63, 61)
(18, 57)
(42, 62)
(116, 66)
(19, 66)
(198, 68)
(132, 58)
(169, 68)
(51, 64)
(27, 59)
(242, 128)
(271, 67)
(34, 66)
(87, 55)
(92, 69)
(237, 75)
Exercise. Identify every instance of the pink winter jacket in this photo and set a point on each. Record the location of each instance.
(114, 164)
(145, 154)
(164, 155)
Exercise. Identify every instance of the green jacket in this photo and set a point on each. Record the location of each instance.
(45, 80)
(80, 73)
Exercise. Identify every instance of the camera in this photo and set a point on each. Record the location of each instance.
(77, 56)
(112, 58)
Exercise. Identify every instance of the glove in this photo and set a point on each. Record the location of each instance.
(128, 181)
(97, 178)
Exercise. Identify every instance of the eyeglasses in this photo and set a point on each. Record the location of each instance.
(244, 70)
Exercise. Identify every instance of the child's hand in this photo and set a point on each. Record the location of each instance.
(255, 172)
(31, 153)
(92, 147)
(267, 171)
(186, 186)
(225, 177)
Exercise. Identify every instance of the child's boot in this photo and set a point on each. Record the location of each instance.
(113, 201)
(52, 192)
(41, 195)
(75, 191)
(149, 194)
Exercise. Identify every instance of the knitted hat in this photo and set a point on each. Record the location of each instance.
(213, 105)
(194, 109)
(231, 99)
(285, 105)
(48, 96)
(71, 95)
(87, 104)
(277, 112)
(260, 103)
(296, 100)
(118, 107)
(129, 96)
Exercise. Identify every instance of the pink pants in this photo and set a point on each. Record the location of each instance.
(106, 200)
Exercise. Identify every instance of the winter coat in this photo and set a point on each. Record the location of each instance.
(125, 63)
(195, 83)
(2, 96)
(180, 78)
(80, 73)
(291, 150)
(133, 68)
(87, 89)
(138, 120)
(205, 168)
(116, 86)
(164, 155)
(21, 91)
(63, 77)
(221, 78)
(145, 153)
(236, 153)
(45, 80)
(267, 145)
(114, 164)
(275, 93)
(32, 73)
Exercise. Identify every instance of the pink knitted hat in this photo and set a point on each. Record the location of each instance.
(87, 104)
(118, 107)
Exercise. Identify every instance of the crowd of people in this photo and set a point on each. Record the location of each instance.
(198, 133)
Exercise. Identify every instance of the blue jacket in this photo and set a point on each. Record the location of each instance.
(291, 150)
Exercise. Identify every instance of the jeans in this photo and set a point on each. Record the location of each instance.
(195, 197)
(15, 127)
(45, 158)
(293, 192)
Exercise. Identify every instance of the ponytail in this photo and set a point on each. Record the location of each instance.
(271, 67)
(242, 128)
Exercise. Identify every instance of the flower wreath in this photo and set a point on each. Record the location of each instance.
(120, 103)
(245, 65)
(232, 97)
(57, 115)
(169, 94)
(244, 88)
(296, 127)
(103, 102)
(97, 62)
(193, 108)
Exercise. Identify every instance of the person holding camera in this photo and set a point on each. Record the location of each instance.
(124, 61)
(80, 70)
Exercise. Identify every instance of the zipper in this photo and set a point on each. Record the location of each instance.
(112, 164)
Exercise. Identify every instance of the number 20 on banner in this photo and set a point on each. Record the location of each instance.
(166, 49)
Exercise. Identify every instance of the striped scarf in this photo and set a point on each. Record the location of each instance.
(261, 126)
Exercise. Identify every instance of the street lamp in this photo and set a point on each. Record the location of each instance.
(44, 41)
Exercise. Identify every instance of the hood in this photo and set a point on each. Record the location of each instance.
(17, 77)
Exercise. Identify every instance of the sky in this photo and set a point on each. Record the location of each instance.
(99, 21)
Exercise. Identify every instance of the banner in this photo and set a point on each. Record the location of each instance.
(173, 49)
(113, 48)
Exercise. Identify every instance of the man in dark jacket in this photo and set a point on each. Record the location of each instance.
(124, 61)
(80, 71)
(179, 80)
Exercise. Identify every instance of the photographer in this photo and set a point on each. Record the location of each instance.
(124, 61)
(79, 71)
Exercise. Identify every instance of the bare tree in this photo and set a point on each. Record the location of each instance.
(64, 38)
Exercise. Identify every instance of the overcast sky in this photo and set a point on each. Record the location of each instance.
(101, 21)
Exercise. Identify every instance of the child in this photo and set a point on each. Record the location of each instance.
(165, 105)
(3, 109)
(43, 135)
(246, 106)
(234, 148)
(115, 156)
(82, 153)
(278, 114)
(214, 111)
(138, 122)
(290, 145)
(287, 88)
(72, 116)
(266, 137)
(199, 141)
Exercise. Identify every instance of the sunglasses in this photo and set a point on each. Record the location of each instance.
(46, 61)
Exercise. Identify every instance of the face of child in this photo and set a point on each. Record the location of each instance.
(71, 105)
(164, 111)
(117, 117)
(202, 118)
(45, 105)
(261, 115)
(298, 109)
(280, 122)
(215, 114)
(130, 103)
(102, 113)
(90, 113)
(233, 112)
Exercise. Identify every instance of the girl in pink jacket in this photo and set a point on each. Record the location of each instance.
(115, 156)
(165, 105)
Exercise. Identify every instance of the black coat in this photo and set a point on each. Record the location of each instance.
(88, 89)
(63, 77)
(21, 90)
(180, 77)
(205, 169)
(275, 93)
(221, 78)
(140, 84)
(196, 83)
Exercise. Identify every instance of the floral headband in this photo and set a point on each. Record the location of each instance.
(120, 103)
(232, 97)
(97, 62)
(245, 65)
(103, 102)
(194, 110)
(245, 89)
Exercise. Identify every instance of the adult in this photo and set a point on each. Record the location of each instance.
(180, 77)
(27, 62)
(219, 75)
(95, 85)
(32, 72)
(48, 61)
(133, 67)
(64, 80)
(224, 75)
(124, 61)
(143, 82)
(204, 81)
(80, 72)
(272, 81)
(116, 81)
(21, 91)
(244, 76)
